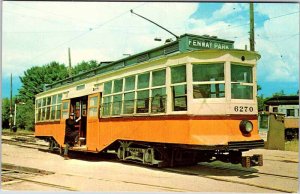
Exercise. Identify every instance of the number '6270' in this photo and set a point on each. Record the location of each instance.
(243, 109)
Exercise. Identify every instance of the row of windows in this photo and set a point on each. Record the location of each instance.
(48, 108)
(289, 112)
(135, 94)
(146, 92)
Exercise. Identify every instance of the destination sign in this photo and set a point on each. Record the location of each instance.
(209, 44)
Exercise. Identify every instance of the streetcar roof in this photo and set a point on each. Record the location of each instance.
(185, 43)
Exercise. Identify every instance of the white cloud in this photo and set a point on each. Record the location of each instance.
(227, 10)
(129, 34)
(278, 43)
(117, 30)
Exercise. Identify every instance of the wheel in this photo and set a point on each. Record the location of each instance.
(51, 145)
(61, 150)
(235, 157)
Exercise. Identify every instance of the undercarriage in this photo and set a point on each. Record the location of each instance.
(163, 155)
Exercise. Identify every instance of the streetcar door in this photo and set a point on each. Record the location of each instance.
(78, 107)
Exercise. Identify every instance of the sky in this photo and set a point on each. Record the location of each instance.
(37, 33)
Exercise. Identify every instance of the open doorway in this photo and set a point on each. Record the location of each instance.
(79, 107)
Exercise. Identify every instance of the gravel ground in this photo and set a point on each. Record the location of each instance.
(103, 175)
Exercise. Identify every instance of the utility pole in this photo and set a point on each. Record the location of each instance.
(252, 48)
(70, 66)
(10, 115)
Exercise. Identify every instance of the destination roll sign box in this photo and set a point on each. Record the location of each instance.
(209, 44)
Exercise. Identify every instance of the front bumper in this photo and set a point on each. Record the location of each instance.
(245, 145)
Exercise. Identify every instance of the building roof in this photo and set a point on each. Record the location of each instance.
(283, 100)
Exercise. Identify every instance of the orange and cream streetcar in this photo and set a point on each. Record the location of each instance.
(187, 101)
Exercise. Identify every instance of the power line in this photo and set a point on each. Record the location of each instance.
(85, 32)
(51, 13)
(275, 17)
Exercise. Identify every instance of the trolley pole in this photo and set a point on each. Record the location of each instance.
(70, 66)
(252, 47)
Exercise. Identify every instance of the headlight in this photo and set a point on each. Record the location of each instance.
(246, 126)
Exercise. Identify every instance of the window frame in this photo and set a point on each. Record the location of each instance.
(135, 91)
(178, 84)
(94, 106)
(252, 84)
(209, 82)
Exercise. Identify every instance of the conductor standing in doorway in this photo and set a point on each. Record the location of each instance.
(71, 134)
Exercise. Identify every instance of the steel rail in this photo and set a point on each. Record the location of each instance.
(228, 180)
(244, 170)
(196, 174)
(39, 182)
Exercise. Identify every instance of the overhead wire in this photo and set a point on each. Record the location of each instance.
(85, 32)
(275, 17)
(51, 13)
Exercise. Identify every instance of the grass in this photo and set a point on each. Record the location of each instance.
(292, 145)
(19, 132)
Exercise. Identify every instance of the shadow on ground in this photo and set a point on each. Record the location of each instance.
(216, 168)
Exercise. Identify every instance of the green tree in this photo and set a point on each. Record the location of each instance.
(5, 113)
(84, 66)
(33, 82)
(35, 78)
(24, 116)
(280, 93)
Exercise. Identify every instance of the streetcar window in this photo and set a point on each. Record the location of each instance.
(178, 74)
(106, 106)
(241, 91)
(47, 113)
(129, 83)
(143, 80)
(179, 98)
(65, 111)
(290, 112)
(39, 114)
(43, 114)
(53, 110)
(241, 73)
(80, 87)
(159, 78)
(59, 96)
(118, 85)
(128, 106)
(57, 116)
(117, 104)
(49, 100)
(65, 105)
(39, 103)
(93, 106)
(208, 72)
(158, 100)
(54, 99)
(44, 102)
(209, 90)
(107, 87)
(142, 101)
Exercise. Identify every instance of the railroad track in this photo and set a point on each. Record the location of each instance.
(25, 144)
(186, 171)
(11, 174)
(226, 170)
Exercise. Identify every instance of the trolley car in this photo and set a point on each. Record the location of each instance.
(187, 101)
